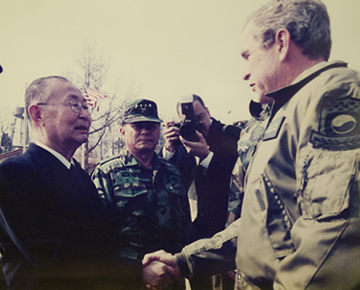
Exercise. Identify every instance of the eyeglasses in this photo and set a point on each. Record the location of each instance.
(74, 106)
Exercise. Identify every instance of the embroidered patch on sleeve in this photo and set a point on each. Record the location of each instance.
(339, 127)
(273, 129)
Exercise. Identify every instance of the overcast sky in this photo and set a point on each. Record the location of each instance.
(166, 48)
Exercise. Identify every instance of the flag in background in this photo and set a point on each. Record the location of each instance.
(92, 98)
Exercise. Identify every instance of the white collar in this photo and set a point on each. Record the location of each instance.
(56, 154)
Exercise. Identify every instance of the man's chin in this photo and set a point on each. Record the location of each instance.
(145, 144)
(145, 148)
(263, 99)
(81, 140)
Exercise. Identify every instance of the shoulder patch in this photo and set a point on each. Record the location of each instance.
(273, 129)
(339, 127)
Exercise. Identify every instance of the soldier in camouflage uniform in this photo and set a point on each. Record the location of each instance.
(251, 132)
(144, 191)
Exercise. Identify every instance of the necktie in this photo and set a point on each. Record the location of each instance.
(193, 191)
(76, 175)
(193, 200)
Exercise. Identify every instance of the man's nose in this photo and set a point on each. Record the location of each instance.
(85, 114)
(144, 130)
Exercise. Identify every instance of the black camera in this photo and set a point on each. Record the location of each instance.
(189, 126)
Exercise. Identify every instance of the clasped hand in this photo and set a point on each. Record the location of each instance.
(160, 269)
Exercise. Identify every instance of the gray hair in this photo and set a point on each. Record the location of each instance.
(307, 21)
(36, 91)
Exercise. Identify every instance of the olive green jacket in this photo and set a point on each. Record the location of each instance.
(299, 226)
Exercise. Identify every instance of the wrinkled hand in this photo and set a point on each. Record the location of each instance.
(171, 135)
(199, 148)
(168, 259)
(155, 275)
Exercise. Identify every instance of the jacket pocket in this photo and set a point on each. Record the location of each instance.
(169, 208)
(276, 220)
(125, 192)
(325, 183)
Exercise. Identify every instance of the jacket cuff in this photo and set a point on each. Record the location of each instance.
(183, 265)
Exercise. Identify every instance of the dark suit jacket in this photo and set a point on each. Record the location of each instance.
(212, 185)
(54, 229)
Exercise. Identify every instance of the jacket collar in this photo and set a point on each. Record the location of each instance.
(62, 159)
(130, 160)
(283, 95)
(259, 111)
(46, 158)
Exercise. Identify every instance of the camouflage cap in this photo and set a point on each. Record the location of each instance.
(141, 110)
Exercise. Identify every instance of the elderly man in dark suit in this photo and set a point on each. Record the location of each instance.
(54, 233)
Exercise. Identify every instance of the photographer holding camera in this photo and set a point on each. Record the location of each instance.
(205, 151)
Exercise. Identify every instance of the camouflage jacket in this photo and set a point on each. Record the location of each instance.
(149, 206)
(251, 132)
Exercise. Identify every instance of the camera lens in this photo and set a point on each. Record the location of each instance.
(188, 131)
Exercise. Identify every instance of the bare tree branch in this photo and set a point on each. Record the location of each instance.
(93, 74)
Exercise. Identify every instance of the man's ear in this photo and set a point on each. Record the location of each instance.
(282, 40)
(35, 114)
(122, 132)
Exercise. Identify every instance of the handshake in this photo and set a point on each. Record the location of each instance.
(160, 269)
